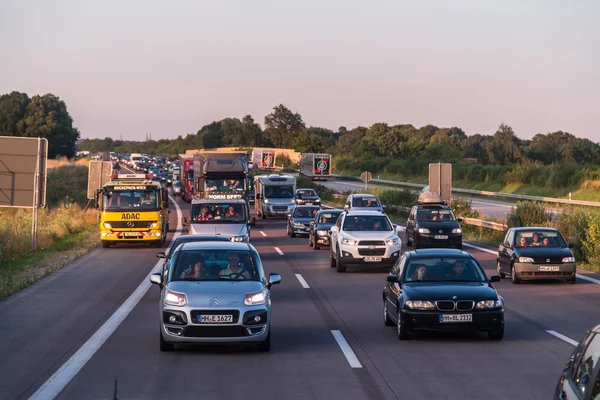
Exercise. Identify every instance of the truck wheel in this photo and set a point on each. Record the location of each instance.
(105, 244)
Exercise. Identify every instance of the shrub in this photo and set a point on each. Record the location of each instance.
(402, 198)
(284, 160)
(528, 213)
(66, 184)
(590, 246)
(462, 208)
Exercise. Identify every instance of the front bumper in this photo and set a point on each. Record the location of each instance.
(532, 271)
(483, 321)
(323, 240)
(355, 255)
(277, 210)
(308, 202)
(305, 230)
(120, 237)
(429, 239)
(244, 330)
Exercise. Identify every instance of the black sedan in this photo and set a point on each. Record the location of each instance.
(535, 253)
(320, 225)
(442, 290)
(580, 378)
(298, 222)
(307, 197)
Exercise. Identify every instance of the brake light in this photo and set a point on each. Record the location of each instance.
(113, 176)
(148, 176)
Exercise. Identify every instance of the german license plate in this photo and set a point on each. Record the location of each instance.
(129, 234)
(548, 268)
(441, 236)
(308, 203)
(446, 318)
(214, 319)
(371, 259)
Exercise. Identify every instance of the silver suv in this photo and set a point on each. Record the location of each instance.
(362, 201)
(215, 292)
(364, 238)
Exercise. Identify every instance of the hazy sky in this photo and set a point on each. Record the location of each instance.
(170, 67)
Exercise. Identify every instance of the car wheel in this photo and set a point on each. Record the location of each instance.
(416, 242)
(408, 241)
(332, 263)
(310, 243)
(502, 274)
(496, 335)
(571, 281)
(287, 230)
(266, 345)
(513, 275)
(292, 233)
(263, 216)
(105, 244)
(386, 316)
(315, 245)
(401, 329)
(339, 265)
(164, 345)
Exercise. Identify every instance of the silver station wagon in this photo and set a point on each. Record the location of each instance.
(215, 292)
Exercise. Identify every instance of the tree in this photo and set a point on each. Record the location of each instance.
(283, 126)
(253, 134)
(503, 148)
(211, 135)
(13, 107)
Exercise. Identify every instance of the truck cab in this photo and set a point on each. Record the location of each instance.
(219, 217)
(274, 195)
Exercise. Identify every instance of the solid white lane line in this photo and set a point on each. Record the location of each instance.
(262, 233)
(587, 278)
(61, 378)
(346, 349)
(563, 337)
(480, 248)
(277, 249)
(302, 281)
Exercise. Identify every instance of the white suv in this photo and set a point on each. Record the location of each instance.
(364, 238)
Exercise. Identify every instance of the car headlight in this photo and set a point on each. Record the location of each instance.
(349, 242)
(318, 200)
(175, 298)
(322, 233)
(266, 201)
(457, 230)
(420, 305)
(423, 230)
(525, 259)
(107, 225)
(256, 299)
(569, 260)
(392, 241)
(239, 238)
(153, 225)
(292, 201)
(487, 304)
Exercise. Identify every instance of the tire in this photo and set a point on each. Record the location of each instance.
(332, 262)
(513, 275)
(164, 345)
(105, 244)
(263, 216)
(387, 321)
(502, 274)
(416, 242)
(496, 335)
(571, 281)
(339, 266)
(287, 230)
(402, 333)
(292, 233)
(310, 243)
(266, 345)
(408, 241)
(315, 245)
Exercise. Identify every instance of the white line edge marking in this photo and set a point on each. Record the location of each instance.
(61, 378)
(563, 337)
(277, 249)
(579, 276)
(346, 349)
(302, 281)
(262, 233)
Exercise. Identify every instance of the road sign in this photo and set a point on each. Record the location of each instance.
(366, 177)
(99, 173)
(23, 164)
(440, 180)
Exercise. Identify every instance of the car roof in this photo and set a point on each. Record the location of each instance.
(306, 206)
(366, 213)
(326, 210)
(432, 205)
(438, 253)
(535, 228)
(363, 195)
(299, 189)
(205, 238)
(214, 246)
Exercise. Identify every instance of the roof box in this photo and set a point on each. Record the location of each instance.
(430, 198)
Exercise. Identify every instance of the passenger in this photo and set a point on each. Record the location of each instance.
(231, 212)
(204, 214)
(536, 240)
(460, 272)
(420, 272)
(546, 242)
(377, 226)
(522, 242)
(193, 272)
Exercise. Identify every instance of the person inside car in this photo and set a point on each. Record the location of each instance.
(522, 242)
(193, 272)
(419, 273)
(461, 273)
(233, 270)
(536, 240)
(231, 212)
(204, 214)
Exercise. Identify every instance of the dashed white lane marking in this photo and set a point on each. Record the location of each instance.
(262, 233)
(61, 378)
(277, 249)
(346, 349)
(563, 337)
(302, 281)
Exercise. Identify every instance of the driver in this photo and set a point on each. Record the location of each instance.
(233, 271)
(147, 199)
(459, 271)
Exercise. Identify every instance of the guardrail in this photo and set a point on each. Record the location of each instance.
(482, 192)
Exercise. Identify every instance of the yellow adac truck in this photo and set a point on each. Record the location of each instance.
(133, 209)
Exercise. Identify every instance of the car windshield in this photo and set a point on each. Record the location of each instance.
(190, 175)
(140, 200)
(533, 238)
(368, 223)
(233, 213)
(279, 192)
(328, 218)
(215, 265)
(435, 215)
(305, 212)
(307, 192)
(365, 202)
(443, 269)
(224, 185)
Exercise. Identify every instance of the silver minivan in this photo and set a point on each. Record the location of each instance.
(215, 292)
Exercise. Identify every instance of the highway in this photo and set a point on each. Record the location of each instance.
(73, 333)
(489, 208)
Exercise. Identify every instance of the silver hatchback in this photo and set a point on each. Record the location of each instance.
(215, 292)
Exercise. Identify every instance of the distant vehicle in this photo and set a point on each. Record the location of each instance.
(215, 292)
(134, 158)
(186, 164)
(225, 217)
(535, 253)
(274, 195)
(580, 378)
(307, 197)
(362, 201)
(323, 221)
(176, 188)
(298, 222)
(442, 289)
(263, 159)
(315, 166)
(166, 255)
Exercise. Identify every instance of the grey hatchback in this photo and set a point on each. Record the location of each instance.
(215, 292)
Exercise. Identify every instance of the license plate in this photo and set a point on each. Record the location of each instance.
(214, 319)
(441, 236)
(444, 318)
(308, 203)
(371, 259)
(548, 268)
(131, 234)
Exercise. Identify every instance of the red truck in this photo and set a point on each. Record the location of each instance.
(186, 168)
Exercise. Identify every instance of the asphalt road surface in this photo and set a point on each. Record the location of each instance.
(71, 335)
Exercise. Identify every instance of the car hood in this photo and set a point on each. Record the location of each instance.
(304, 221)
(550, 252)
(228, 294)
(324, 227)
(447, 290)
(370, 235)
(220, 228)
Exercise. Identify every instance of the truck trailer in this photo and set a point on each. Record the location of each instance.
(263, 159)
(315, 166)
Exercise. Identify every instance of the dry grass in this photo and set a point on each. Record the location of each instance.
(61, 162)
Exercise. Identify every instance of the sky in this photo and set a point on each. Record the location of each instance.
(127, 68)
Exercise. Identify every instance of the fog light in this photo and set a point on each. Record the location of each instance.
(257, 319)
(173, 318)
(395, 254)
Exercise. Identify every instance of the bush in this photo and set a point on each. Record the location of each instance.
(590, 246)
(67, 184)
(284, 161)
(528, 213)
(462, 208)
(401, 198)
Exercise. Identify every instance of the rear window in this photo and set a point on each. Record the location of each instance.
(365, 202)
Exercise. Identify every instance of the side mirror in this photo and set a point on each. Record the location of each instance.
(258, 196)
(165, 204)
(459, 220)
(274, 279)
(184, 221)
(400, 229)
(495, 278)
(311, 222)
(289, 215)
(156, 278)
(346, 206)
(97, 199)
(161, 254)
(329, 233)
(383, 206)
(392, 278)
(506, 244)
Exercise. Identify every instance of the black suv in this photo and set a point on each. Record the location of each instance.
(433, 224)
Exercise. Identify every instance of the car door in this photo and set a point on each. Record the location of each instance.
(505, 250)
(393, 289)
(335, 233)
